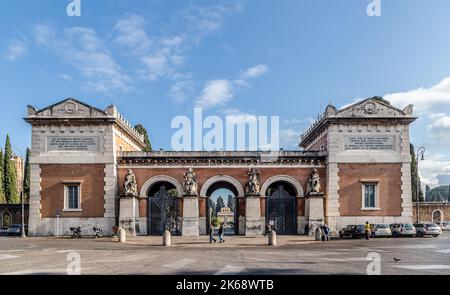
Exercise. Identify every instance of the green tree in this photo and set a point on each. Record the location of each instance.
(26, 177)
(9, 171)
(415, 179)
(230, 202)
(2, 189)
(141, 129)
(427, 192)
(219, 204)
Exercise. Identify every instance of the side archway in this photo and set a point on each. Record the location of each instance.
(160, 178)
(283, 178)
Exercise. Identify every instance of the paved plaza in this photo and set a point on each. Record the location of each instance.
(238, 256)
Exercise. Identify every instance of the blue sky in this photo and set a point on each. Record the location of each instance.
(158, 59)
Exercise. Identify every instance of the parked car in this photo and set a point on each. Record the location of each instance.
(427, 228)
(352, 231)
(402, 229)
(14, 230)
(381, 230)
(445, 225)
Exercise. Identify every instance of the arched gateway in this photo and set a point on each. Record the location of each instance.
(82, 154)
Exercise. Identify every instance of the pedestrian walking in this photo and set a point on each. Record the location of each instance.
(211, 234)
(221, 240)
(367, 230)
(326, 232)
(267, 229)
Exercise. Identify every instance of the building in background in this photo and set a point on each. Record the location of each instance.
(19, 164)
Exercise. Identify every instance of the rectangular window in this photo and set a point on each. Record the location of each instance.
(369, 196)
(72, 197)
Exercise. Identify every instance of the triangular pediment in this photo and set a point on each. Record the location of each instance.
(373, 107)
(69, 107)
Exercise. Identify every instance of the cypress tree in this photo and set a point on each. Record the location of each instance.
(141, 129)
(415, 179)
(26, 177)
(9, 176)
(2, 191)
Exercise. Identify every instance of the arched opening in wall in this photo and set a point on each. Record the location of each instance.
(5, 220)
(281, 208)
(437, 216)
(163, 209)
(222, 207)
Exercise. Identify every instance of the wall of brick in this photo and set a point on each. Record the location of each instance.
(389, 185)
(92, 189)
(240, 174)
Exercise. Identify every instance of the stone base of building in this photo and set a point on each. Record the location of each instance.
(61, 226)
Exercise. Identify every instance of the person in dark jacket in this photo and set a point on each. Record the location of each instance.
(211, 234)
(221, 240)
(326, 232)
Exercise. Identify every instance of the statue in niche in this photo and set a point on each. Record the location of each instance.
(130, 183)
(253, 185)
(190, 183)
(314, 182)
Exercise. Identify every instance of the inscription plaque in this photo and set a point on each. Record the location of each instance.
(73, 143)
(369, 142)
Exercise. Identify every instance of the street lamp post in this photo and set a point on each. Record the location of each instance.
(420, 153)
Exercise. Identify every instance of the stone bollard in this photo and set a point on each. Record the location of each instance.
(272, 238)
(167, 238)
(121, 234)
(318, 234)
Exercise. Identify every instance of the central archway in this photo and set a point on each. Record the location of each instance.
(222, 195)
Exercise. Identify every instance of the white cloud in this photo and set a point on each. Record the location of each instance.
(289, 138)
(255, 71)
(81, 48)
(131, 33)
(16, 49)
(215, 92)
(425, 100)
(443, 122)
(43, 34)
(432, 106)
(181, 90)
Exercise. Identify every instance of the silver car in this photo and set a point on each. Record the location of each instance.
(402, 229)
(427, 229)
(445, 225)
(381, 230)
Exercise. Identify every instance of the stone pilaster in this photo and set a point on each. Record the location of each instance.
(129, 214)
(190, 216)
(253, 226)
(314, 211)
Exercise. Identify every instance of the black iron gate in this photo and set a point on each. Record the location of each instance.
(281, 211)
(163, 212)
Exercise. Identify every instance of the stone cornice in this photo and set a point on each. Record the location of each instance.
(163, 158)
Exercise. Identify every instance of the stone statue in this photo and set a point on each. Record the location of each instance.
(253, 185)
(130, 183)
(314, 182)
(190, 183)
